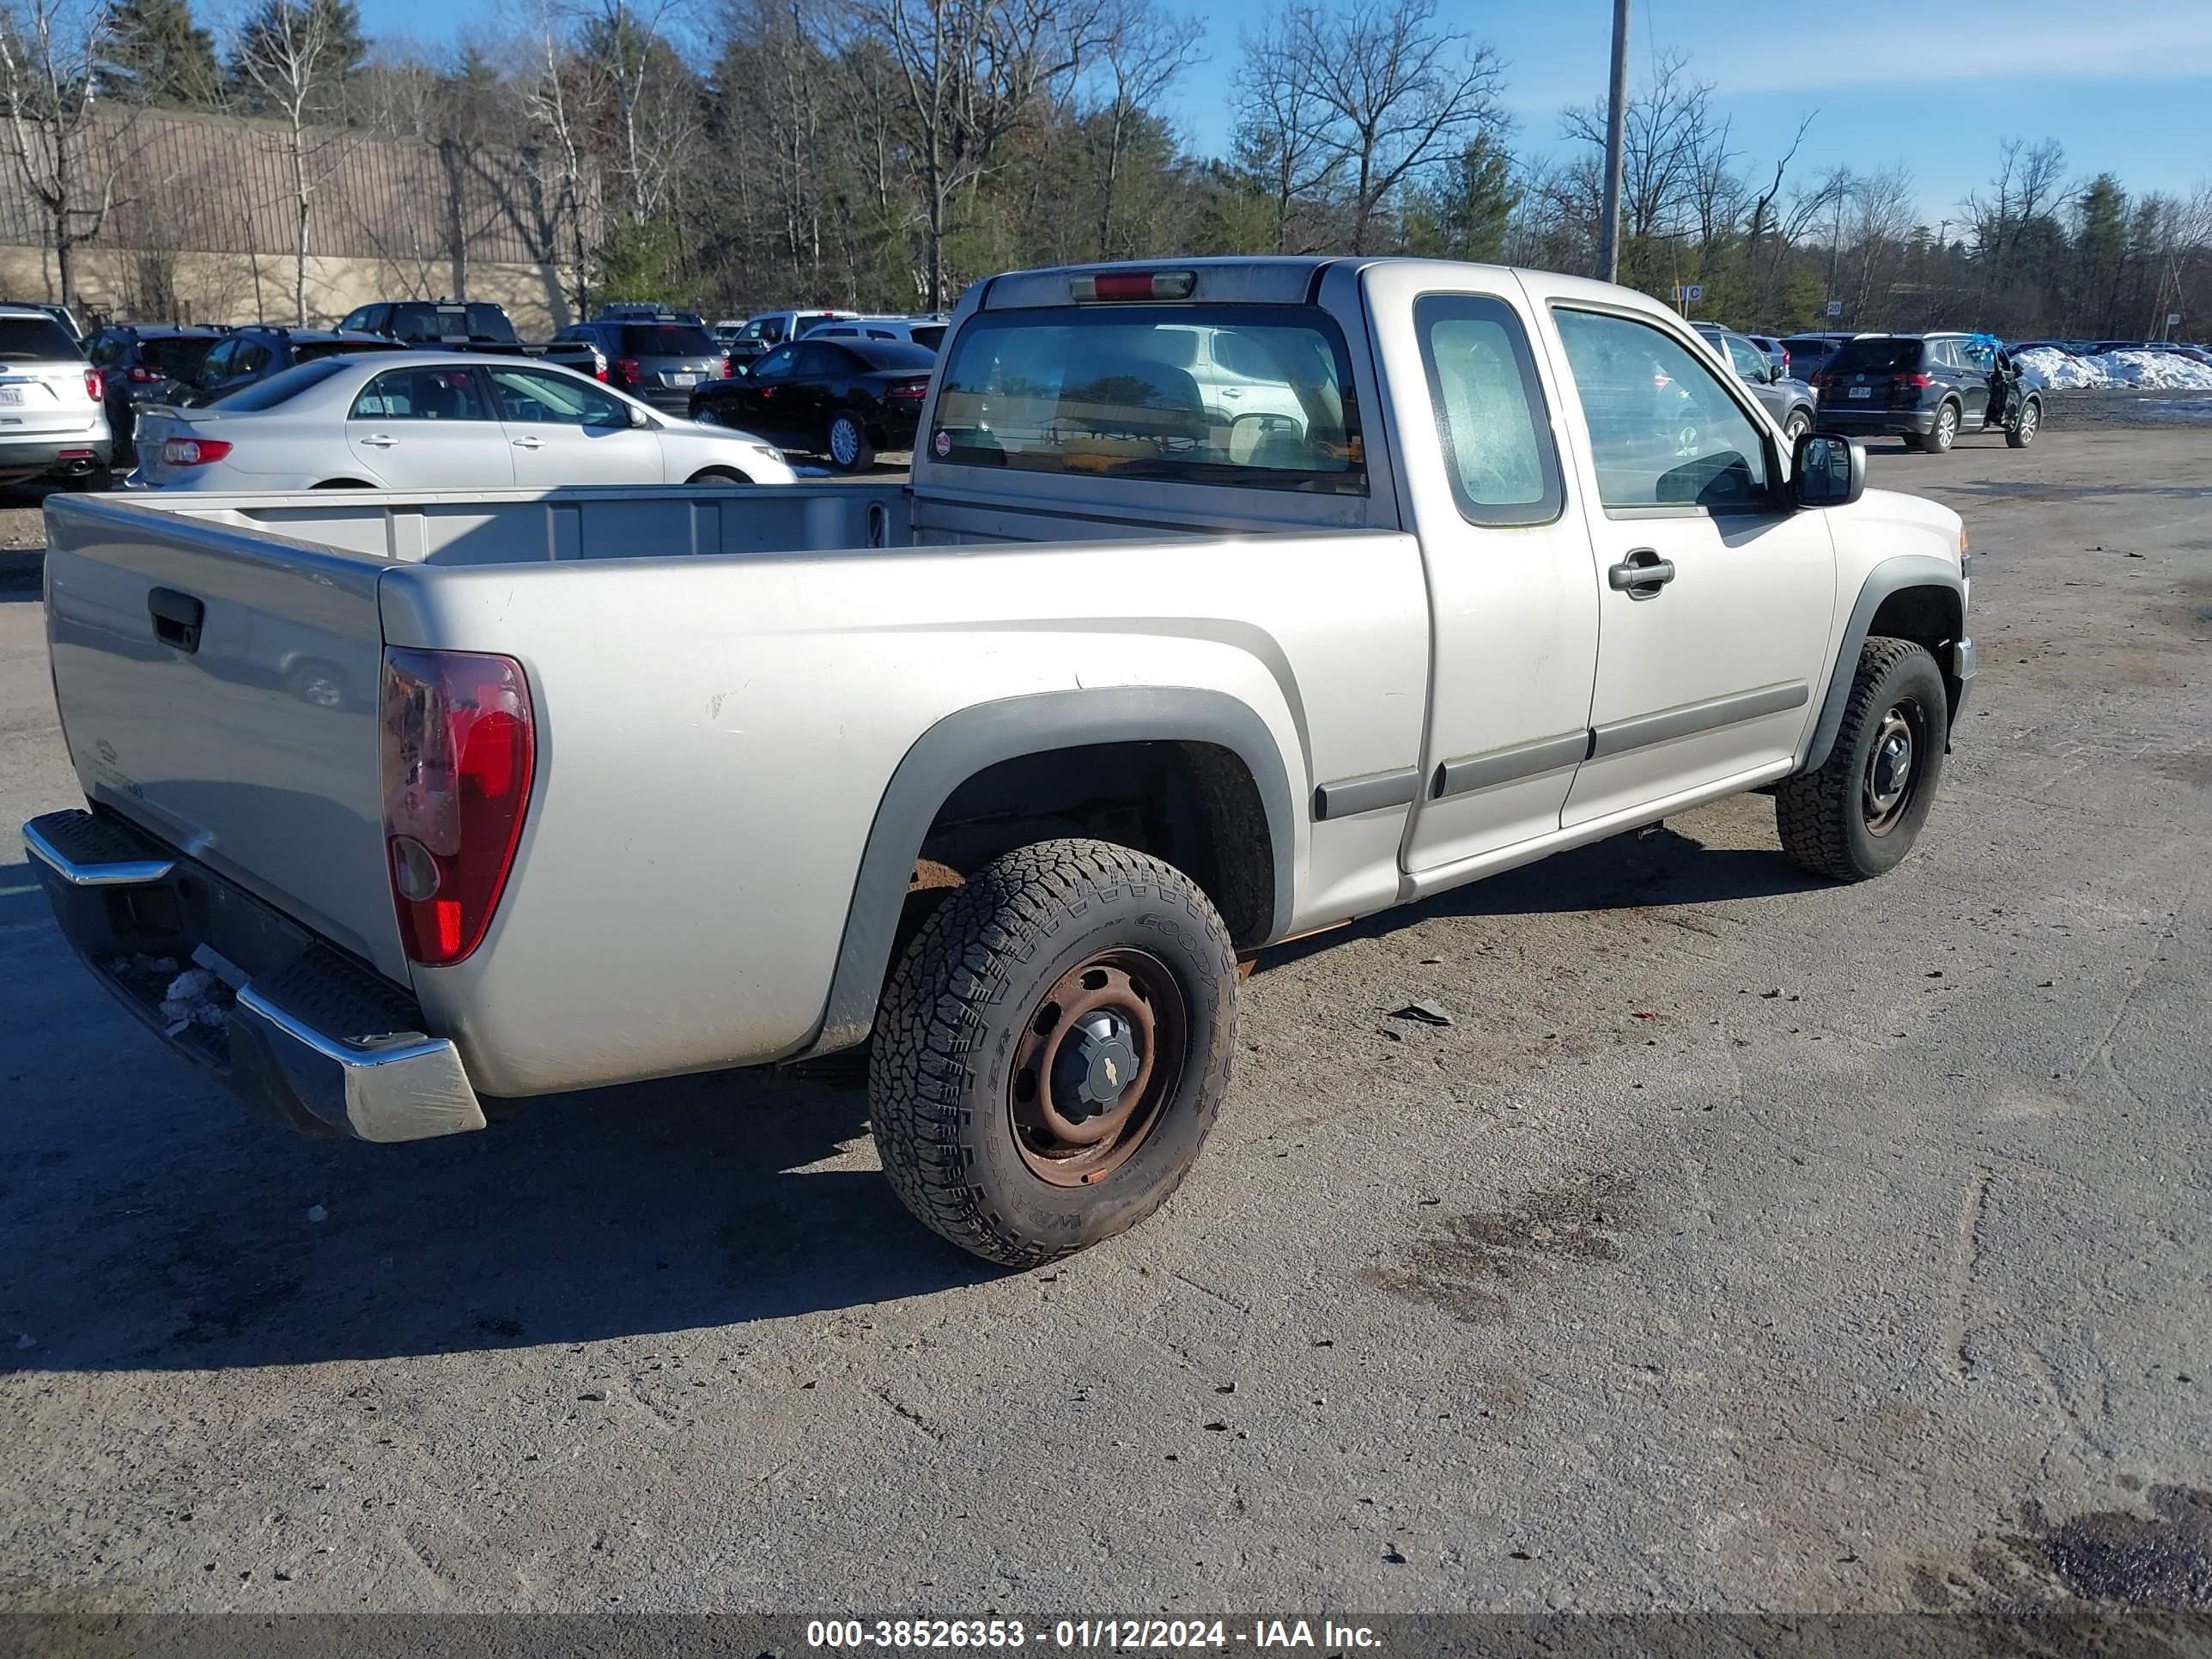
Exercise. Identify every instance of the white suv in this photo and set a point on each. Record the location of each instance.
(53, 423)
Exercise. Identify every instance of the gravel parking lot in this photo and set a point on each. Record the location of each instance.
(1744, 1242)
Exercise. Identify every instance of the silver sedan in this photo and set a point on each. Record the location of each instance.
(434, 420)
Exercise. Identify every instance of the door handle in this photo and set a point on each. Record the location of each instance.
(177, 618)
(379, 441)
(1641, 574)
(529, 443)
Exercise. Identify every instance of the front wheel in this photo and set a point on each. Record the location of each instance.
(848, 444)
(1796, 427)
(1859, 814)
(2021, 433)
(1052, 1049)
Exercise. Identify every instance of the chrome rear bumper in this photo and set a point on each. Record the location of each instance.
(325, 1044)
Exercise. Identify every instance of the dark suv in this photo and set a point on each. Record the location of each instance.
(661, 359)
(1926, 389)
(248, 355)
(141, 363)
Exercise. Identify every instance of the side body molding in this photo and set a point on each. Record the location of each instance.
(966, 741)
(1890, 576)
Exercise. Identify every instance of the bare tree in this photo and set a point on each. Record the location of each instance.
(1401, 93)
(1669, 139)
(559, 102)
(646, 100)
(970, 72)
(1145, 51)
(1283, 125)
(291, 60)
(63, 143)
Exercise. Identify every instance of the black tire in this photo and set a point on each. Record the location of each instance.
(2020, 434)
(847, 442)
(969, 999)
(718, 475)
(1799, 423)
(1945, 432)
(1838, 822)
(344, 484)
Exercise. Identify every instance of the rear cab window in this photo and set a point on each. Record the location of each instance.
(1137, 394)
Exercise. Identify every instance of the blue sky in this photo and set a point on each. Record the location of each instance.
(2125, 85)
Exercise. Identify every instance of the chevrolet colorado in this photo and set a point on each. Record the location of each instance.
(1228, 601)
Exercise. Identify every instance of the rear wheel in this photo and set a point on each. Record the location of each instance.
(1052, 1049)
(1860, 813)
(849, 443)
(2021, 433)
(718, 475)
(1946, 432)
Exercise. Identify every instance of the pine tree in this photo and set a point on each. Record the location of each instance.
(155, 54)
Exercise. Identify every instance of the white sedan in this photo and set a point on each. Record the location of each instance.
(435, 420)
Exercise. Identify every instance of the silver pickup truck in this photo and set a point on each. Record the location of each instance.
(1227, 602)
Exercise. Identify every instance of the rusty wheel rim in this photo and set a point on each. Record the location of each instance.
(1100, 1058)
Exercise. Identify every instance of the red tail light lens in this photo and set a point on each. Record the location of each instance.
(192, 451)
(96, 385)
(907, 391)
(729, 369)
(459, 748)
(142, 375)
(1134, 285)
(1914, 380)
(626, 371)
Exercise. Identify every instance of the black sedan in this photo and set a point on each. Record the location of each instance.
(844, 398)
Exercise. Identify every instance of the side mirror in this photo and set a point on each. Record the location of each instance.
(638, 417)
(1776, 372)
(1827, 471)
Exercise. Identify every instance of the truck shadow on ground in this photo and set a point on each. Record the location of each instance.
(147, 1221)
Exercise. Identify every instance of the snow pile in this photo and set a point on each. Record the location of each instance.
(2157, 368)
(2061, 372)
(2058, 370)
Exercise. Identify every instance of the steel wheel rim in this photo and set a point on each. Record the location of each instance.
(844, 442)
(1116, 1007)
(2027, 419)
(1947, 426)
(1891, 778)
(708, 416)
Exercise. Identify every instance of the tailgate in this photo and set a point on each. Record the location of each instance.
(44, 399)
(248, 742)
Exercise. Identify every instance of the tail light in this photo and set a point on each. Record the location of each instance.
(459, 747)
(911, 392)
(729, 369)
(96, 385)
(192, 451)
(626, 371)
(1913, 379)
(142, 375)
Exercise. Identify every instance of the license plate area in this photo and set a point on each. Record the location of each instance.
(11, 397)
(1862, 391)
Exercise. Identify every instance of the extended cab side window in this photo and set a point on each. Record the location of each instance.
(1664, 431)
(1489, 410)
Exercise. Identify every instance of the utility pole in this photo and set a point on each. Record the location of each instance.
(1616, 125)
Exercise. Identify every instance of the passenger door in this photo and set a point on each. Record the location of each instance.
(767, 403)
(427, 429)
(1972, 377)
(1716, 597)
(1515, 614)
(564, 430)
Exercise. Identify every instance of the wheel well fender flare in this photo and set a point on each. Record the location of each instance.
(966, 741)
(1893, 575)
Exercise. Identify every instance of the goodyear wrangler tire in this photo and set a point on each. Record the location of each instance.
(1052, 1050)
(1859, 814)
